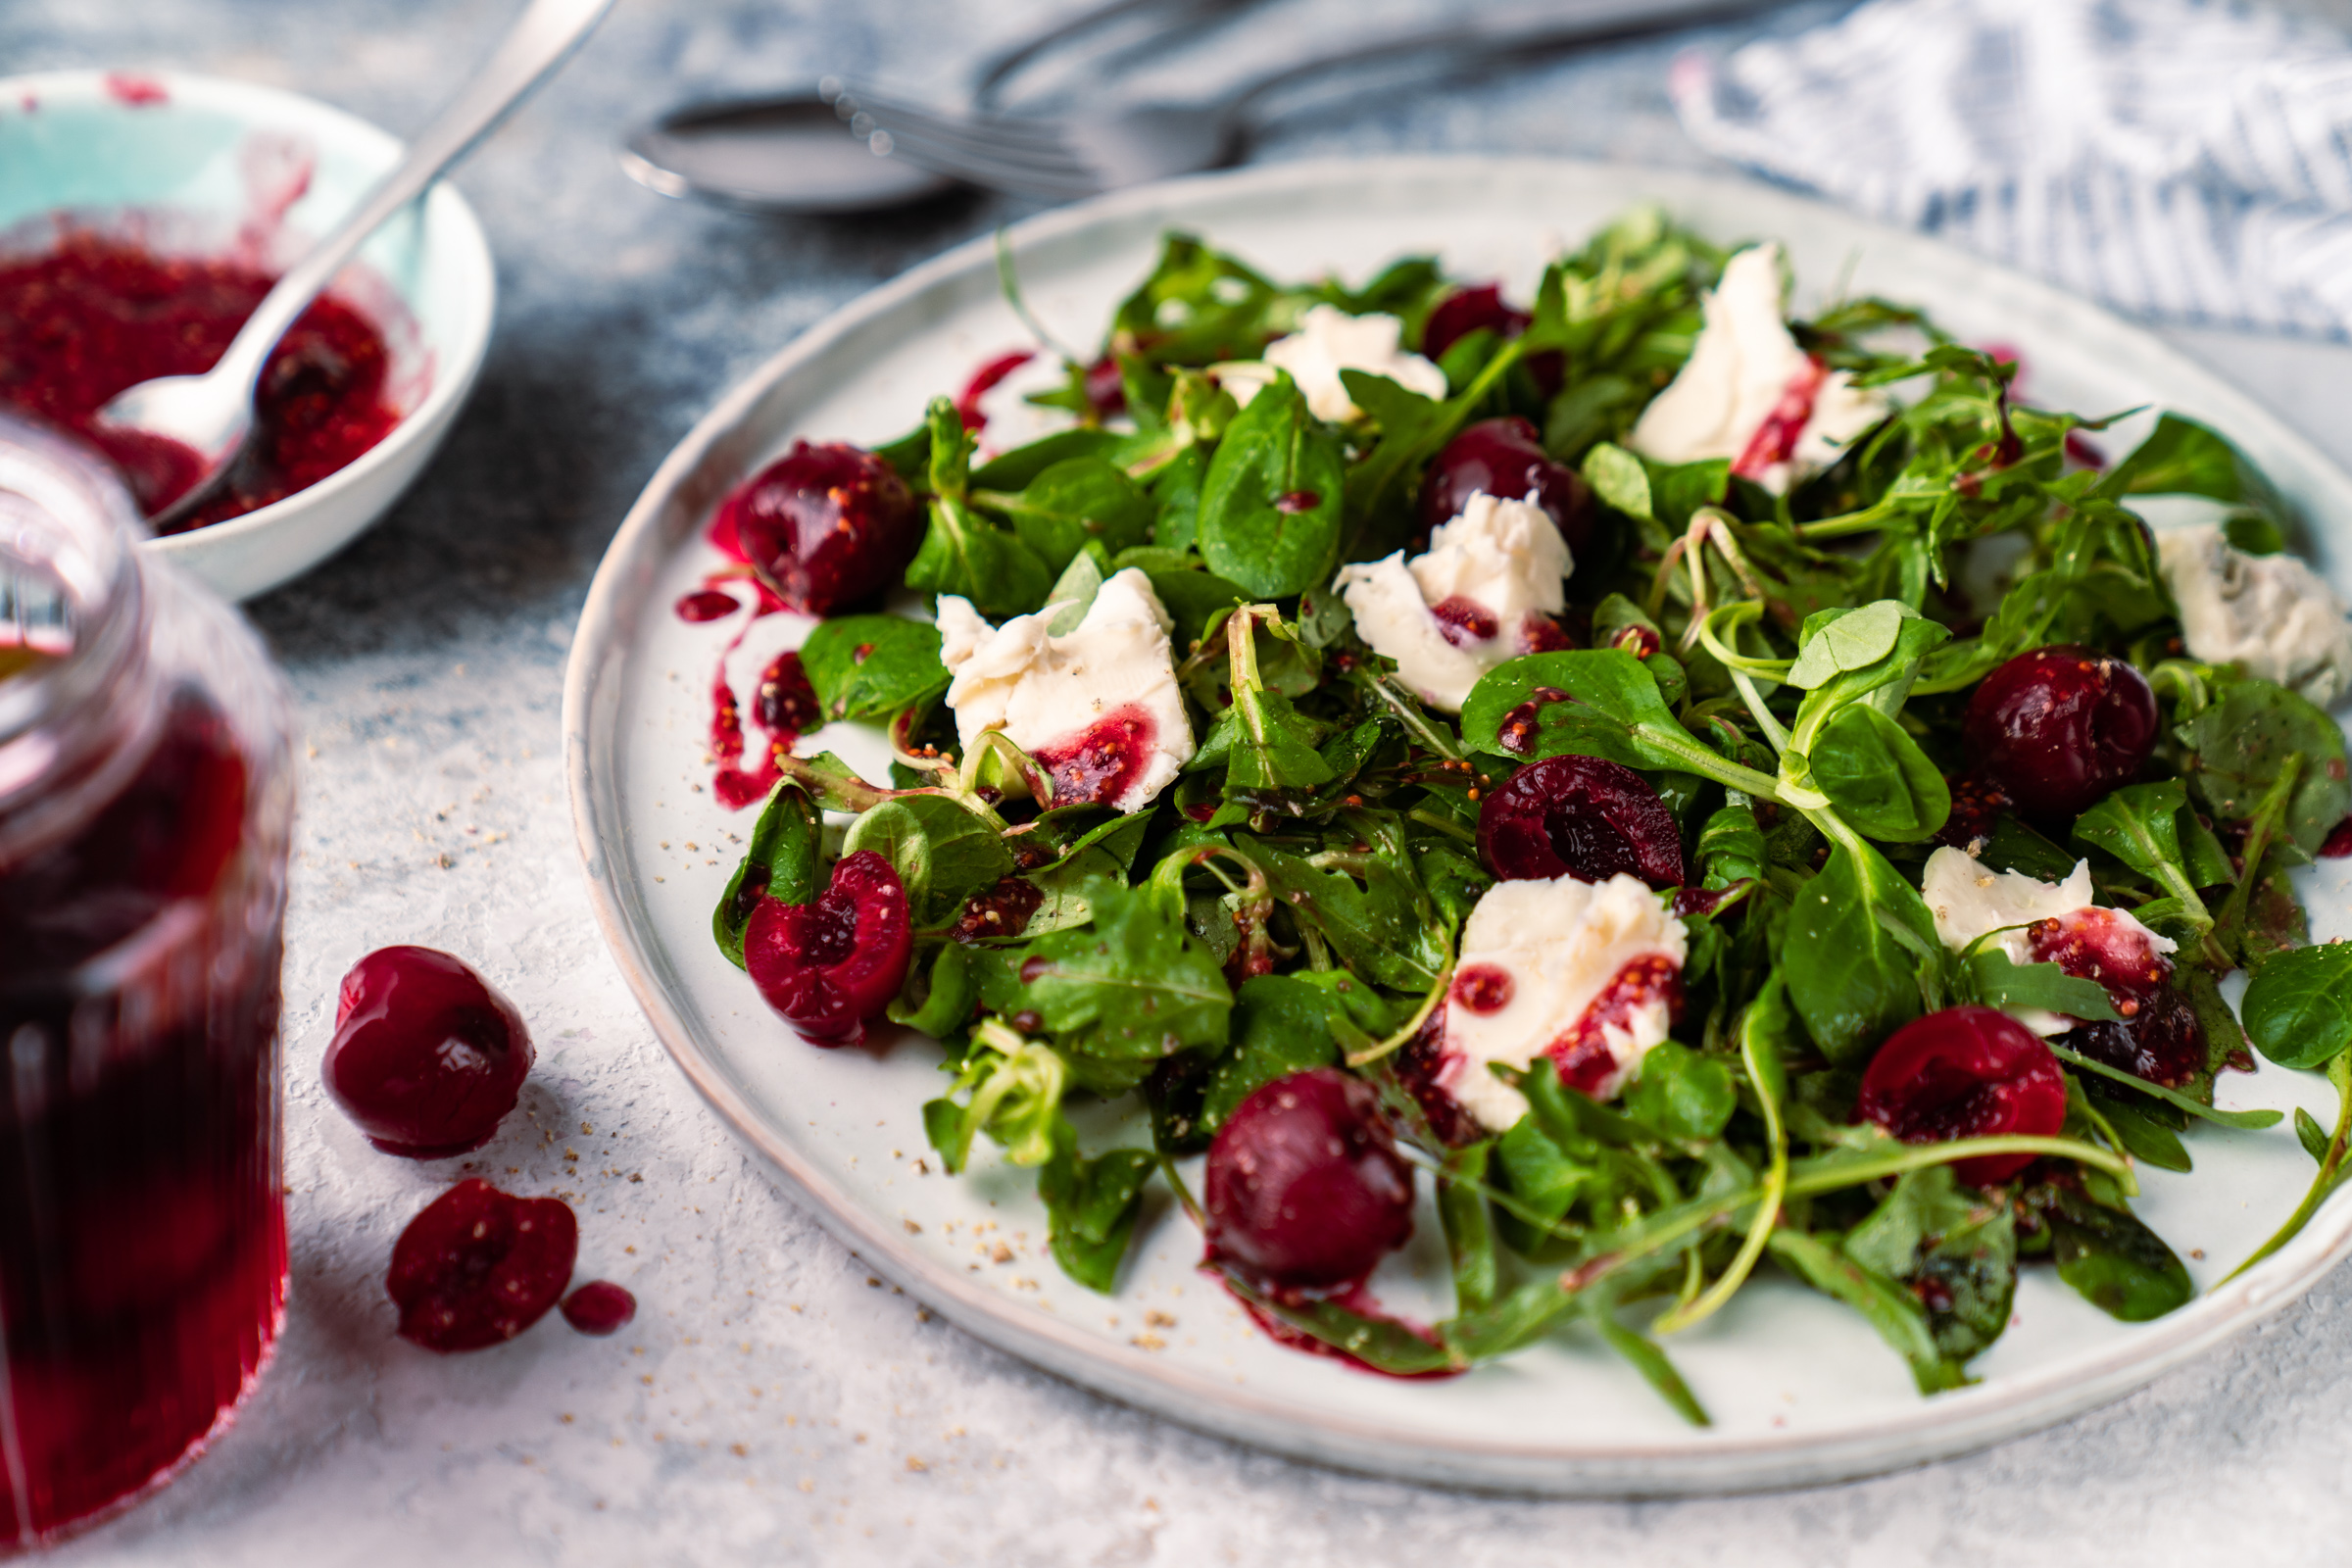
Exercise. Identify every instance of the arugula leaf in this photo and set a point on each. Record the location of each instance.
(1852, 953)
(1998, 982)
(870, 667)
(963, 552)
(2139, 825)
(1469, 1227)
(942, 853)
(1607, 705)
(2298, 1006)
(2246, 739)
(2181, 457)
(1680, 1094)
(1876, 777)
(1382, 929)
(1264, 745)
(780, 862)
(1270, 503)
(1281, 1026)
(1118, 994)
(1091, 1206)
(2114, 1262)
(1957, 1250)
(1073, 502)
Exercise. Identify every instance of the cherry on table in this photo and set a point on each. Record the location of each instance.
(1578, 816)
(1304, 1187)
(831, 966)
(2058, 727)
(600, 1307)
(1966, 1072)
(823, 526)
(477, 1266)
(426, 1057)
(1505, 458)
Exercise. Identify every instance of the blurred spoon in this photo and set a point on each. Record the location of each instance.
(790, 152)
(212, 415)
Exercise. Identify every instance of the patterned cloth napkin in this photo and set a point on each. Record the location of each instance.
(2178, 158)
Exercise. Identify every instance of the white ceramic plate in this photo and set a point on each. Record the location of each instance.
(208, 153)
(1800, 1390)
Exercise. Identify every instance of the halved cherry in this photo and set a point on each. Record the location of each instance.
(832, 965)
(1578, 816)
(1966, 1072)
(1304, 1188)
(823, 526)
(426, 1057)
(477, 1266)
(2058, 727)
(1505, 458)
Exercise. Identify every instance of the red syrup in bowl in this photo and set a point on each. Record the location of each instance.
(93, 315)
(145, 805)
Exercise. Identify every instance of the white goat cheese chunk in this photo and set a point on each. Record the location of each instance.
(1327, 341)
(1047, 693)
(1969, 899)
(1536, 956)
(1750, 394)
(2272, 613)
(1489, 568)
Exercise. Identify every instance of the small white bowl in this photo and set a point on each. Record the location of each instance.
(195, 160)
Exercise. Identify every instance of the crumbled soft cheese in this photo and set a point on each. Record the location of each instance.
(1745, 369)
(1044, 691)
(1327, 341)
(1969, 899)
(1506, 556)
(2272, 613)
(1561, 942)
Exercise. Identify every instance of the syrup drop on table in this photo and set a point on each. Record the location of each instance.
(600, 1307)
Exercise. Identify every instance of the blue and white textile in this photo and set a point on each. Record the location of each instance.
(2177, 159)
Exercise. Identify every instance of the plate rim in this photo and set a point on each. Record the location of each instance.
(1694, 1464)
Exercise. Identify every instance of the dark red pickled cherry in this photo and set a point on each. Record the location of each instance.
(1465, 310)
(600, 1307)
(2339, 842)
(1505, 458)
(1578, 816)
(1304, 1188)
(2159, 1036)
(1001, 911)
(830, 967)
(1966, 1072)
(477, 1266)
(823, 525)
(2059, 728)
(427, 1058)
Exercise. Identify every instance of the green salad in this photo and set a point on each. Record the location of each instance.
(1695, 792)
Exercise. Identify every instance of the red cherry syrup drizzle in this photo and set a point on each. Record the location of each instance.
(1102, 762)
(986, 379)
(1583, 1053)
(1775, 440)
(95, 316)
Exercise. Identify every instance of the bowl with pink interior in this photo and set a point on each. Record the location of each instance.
(142, 216)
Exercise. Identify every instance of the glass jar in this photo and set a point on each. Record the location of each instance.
(146, 797)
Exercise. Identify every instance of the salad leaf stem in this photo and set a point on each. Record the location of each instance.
(1761, 1030)
(2170, 1097)
(1412, 1025)
(2332, 1170)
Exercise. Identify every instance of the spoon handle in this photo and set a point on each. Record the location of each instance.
(1552, 25)
(541, 39)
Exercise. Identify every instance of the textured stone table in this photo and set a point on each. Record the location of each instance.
(771, 1402)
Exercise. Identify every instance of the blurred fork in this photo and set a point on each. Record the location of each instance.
(1065, 157)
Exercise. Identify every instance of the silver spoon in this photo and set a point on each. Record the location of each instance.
(213, 413)
(790, 153)
(1068, 155)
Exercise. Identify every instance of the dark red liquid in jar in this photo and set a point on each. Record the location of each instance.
(94, 315)
(142, 893)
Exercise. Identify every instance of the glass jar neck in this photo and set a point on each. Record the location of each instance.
(74, 707)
